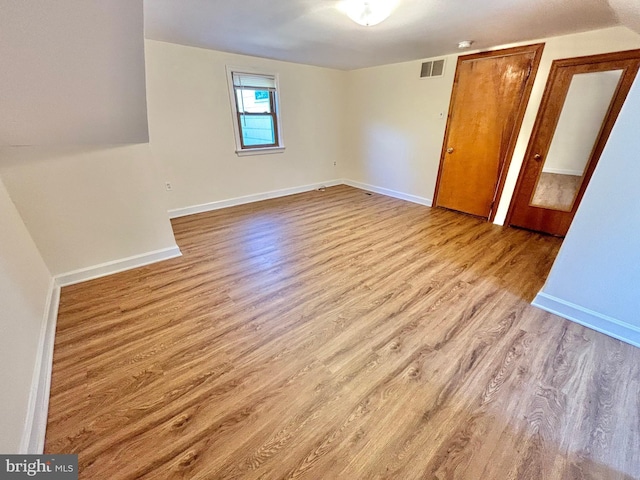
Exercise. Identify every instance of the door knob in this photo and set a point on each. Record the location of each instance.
(450, 150)
(537, 157)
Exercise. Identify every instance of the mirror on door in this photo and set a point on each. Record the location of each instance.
(585, 108)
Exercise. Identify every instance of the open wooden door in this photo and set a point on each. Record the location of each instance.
(581, 103)
(490, 93)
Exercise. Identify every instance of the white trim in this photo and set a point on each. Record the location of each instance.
(232, 202)
(597, 321)
(34, 431)
(259, 151)
(562, 171)
(390, 193)
(234, 111)
(116, 266)
(35, 427)
(33, 434)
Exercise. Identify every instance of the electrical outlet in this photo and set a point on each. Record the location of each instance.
(168, 186)
(335, 163)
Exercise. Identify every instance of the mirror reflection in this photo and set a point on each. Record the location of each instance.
(579, 125)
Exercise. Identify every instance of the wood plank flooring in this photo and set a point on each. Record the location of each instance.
(339, 335)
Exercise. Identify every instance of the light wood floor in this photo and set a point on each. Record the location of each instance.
(339, 335)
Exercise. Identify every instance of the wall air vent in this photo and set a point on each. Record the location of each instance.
(434, 68)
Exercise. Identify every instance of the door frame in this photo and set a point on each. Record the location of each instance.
(620, 95)
(505, 160)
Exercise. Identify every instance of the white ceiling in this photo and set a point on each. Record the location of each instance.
(317, 32)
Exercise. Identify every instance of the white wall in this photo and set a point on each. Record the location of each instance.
(72, 72)
(393, 116)
(85, 206)
(191, 125)
(24, 289)
(72, 83)
(394, 126)
(595, 279)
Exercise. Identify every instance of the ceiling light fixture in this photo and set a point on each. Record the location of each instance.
(368, 12)
(465, 44)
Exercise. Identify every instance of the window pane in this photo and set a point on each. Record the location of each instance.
(257, 130)
(253, 101)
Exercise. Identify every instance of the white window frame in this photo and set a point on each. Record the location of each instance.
(240, 151)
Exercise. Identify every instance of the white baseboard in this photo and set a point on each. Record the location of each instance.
(36, 421)
(232, 202)
(594, 320)
(562, 171)
(390, 193)
(116, 266)
(33, 437)
(35, 427)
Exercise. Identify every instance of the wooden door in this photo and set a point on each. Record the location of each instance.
(579, 107)
(489, 97)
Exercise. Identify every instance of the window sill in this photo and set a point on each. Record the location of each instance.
(259, 151)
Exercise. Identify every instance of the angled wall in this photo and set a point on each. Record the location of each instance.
(595, 279)
(74, 202)
(90, 206)
(74, 151)
(72, 73)
(24, 292)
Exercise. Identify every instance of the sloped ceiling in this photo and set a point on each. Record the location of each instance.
(628, 13)
(72, 72)
(317, 32)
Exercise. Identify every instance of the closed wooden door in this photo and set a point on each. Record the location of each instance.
(579, 107)
(490, 94)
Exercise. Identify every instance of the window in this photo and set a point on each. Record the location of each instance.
(255, 104)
